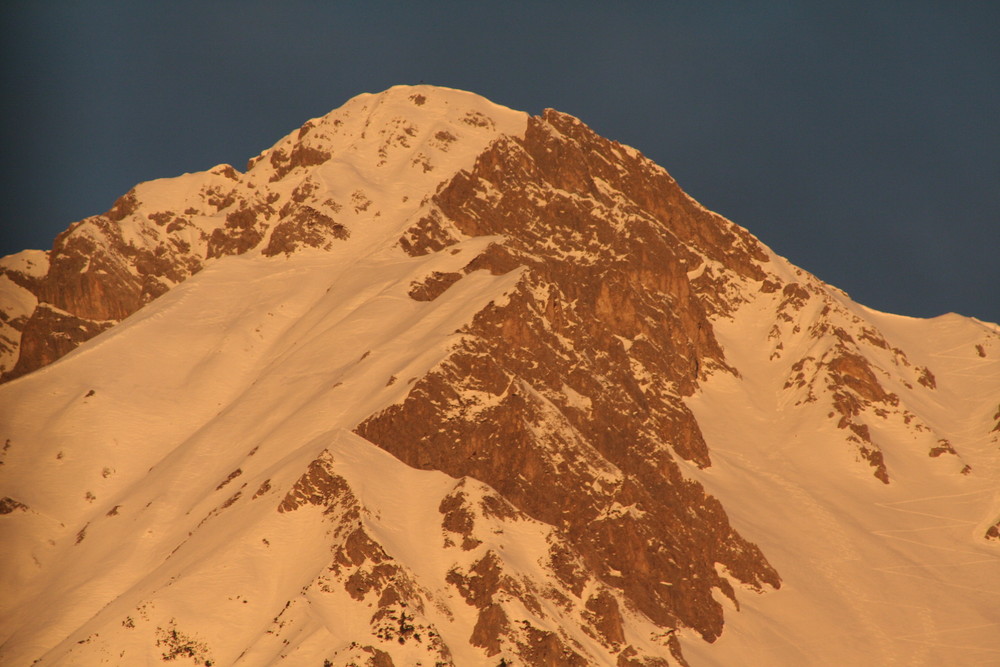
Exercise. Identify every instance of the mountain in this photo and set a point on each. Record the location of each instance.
(435, 382)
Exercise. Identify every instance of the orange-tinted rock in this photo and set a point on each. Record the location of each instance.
(993, 532)
(97, 276)
(854, 372)
(943, 447)
(546, 649)
(433, 286)
(50, 334)
(379, 657)
(8, 505)
(588, 358)
(459, 519)
(491, 625)
(320, 486)
(301, 156)
(607, 617)
(304, 227)
(631, 658)
(241, 232)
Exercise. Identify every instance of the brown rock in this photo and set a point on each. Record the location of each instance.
(854, 371)
(379, 657)
(304, 227)
(320, 486)
(8, 505)
(458, 518)
(301, 155)
(433, 286)
(943, 447)
(546, 649)
(993, 532)
(927, 378)
(50, 334)
(877, 461)
(491, 626)
(607, 618)
(86, 280)
(240, 233)
(631, 658)
(622, 326)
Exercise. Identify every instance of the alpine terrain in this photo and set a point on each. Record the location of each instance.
(435, 382)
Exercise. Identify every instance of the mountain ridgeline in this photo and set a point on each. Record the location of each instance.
(437, 382)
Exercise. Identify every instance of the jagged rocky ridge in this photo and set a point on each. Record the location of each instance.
(581, 373)
(580, 293)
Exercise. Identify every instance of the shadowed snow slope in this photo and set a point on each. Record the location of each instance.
(434, 382)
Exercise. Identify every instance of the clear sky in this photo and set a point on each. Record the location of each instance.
(859, 139)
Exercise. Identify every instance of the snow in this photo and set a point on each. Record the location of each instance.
(15, 301)
(899, 574)
(33, 263)
(387, 170)
(248, 353)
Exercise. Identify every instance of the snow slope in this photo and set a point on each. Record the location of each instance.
(895, 574)
(146, 421)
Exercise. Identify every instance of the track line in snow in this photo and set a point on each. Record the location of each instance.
(936, 565)
(959, 629)
(938, 582)
(925, 545)
(980, 653)
(923, 498)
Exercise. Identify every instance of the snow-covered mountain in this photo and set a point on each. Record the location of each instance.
(436, 382)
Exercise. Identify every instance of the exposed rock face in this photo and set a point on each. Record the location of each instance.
(993, 532)
(576, 382)
(101, 270)
(8, 505)
(847, 368)
(21, 276)
(50, 334)
(104, 268)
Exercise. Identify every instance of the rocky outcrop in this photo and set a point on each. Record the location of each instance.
(513, 616)
(160, 233)
(100, 271)
(576, 382)
(104, 268)
(8, 505)
(849, 366)
(50, 334)
(21, 277)
(993, 532)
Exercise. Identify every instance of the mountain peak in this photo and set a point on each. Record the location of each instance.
(436, 382)
(403, 132)
(357, 173)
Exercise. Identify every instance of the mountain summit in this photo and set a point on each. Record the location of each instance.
(435, 382)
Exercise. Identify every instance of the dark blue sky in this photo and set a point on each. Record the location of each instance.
(860, 140)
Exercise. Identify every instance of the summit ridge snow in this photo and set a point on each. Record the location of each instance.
(353, 173)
